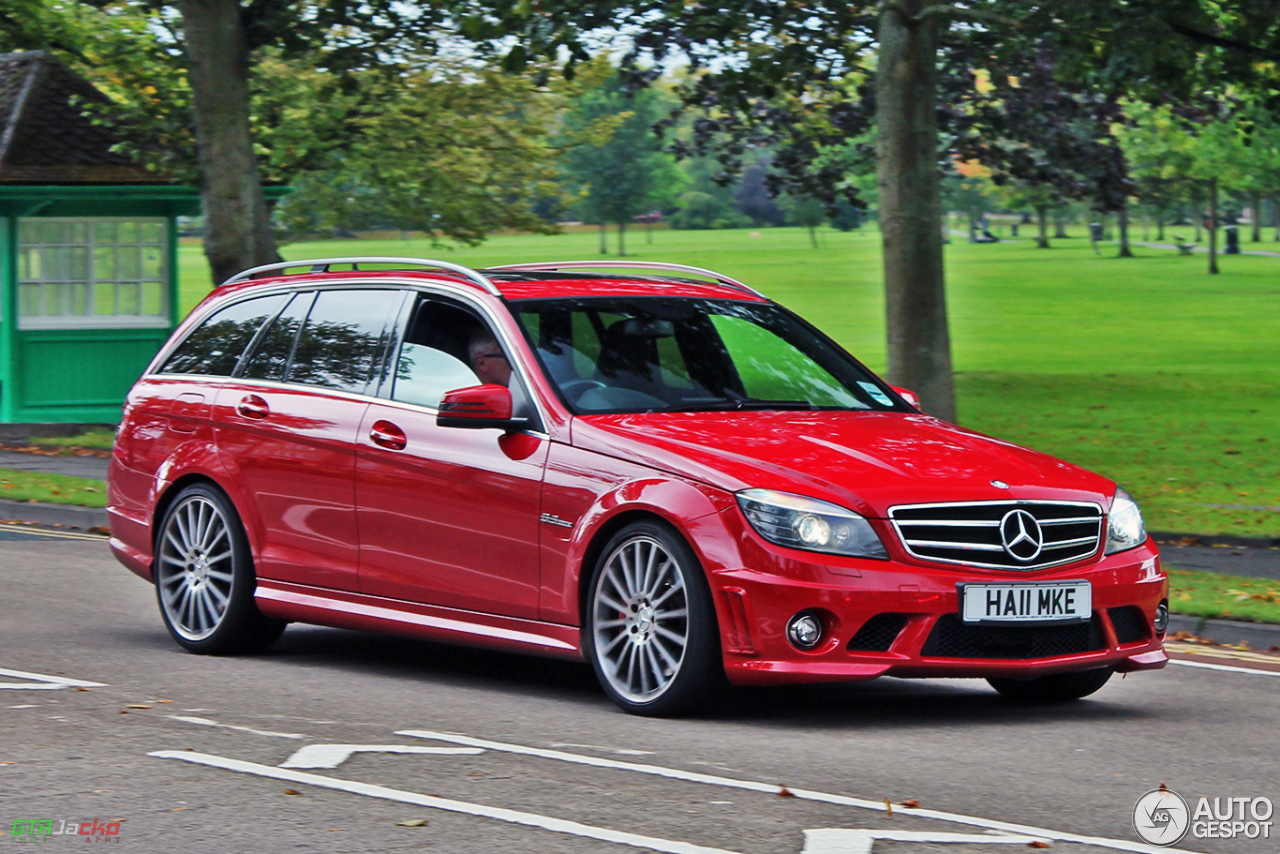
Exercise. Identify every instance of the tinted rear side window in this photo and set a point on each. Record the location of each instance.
(342, 338)
(271, 356)
(214, 348)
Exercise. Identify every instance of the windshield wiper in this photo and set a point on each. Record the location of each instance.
(726, 405)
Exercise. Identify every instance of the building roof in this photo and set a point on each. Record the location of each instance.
(45, 138)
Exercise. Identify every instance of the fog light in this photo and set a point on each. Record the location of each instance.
(804, 630)
(1162, 617)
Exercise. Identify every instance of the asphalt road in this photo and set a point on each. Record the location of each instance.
(503, 753)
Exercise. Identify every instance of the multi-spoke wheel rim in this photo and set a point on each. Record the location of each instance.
(640, 612)
(195, 571)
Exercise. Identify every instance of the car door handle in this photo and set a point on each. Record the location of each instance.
(252, 406)
(387, 435)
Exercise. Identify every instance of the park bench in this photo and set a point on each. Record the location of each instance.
(1183, 247)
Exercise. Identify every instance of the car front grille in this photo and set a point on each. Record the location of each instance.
(971, 533)
(953, 638)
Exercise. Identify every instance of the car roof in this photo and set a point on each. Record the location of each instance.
(552, 280)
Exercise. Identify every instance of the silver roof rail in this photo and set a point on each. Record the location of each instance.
(553, 266)
(321, 265)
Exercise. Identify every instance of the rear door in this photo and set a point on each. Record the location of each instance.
(287, 428)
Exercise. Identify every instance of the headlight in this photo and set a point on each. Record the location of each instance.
(1125, 529)
(809, 524)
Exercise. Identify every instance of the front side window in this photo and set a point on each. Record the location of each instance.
(436, 354)
(642, 354)
(92, 272)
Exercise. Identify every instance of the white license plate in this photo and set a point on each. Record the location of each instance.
(1031, 601)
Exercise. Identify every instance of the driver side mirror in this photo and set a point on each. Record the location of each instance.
(909, 396)
(477, 406)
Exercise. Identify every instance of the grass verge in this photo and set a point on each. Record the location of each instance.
(52, 488)
(99, 440)
(1232, 597)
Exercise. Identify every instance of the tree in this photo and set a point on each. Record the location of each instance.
(623, 172)
(457, 152)
(805, 211)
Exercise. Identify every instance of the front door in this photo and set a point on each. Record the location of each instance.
(447, 516)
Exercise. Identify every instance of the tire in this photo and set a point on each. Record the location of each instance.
(1056, 688)
(650, 628)
(204, 577)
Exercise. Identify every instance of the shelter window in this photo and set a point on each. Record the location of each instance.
(87, 272)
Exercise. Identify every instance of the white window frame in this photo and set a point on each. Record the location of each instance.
(92, 320)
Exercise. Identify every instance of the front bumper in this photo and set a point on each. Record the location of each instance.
(901, 618)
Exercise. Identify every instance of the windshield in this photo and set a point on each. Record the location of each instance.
(644, 354)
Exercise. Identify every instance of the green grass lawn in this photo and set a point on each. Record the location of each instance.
(1146, 369)
(1207, 594)
(51, 488)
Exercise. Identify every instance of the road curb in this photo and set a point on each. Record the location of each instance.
(1260, 636)
(54, 515)
(1166, 538)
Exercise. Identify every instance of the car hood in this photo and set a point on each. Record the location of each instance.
(867, 461)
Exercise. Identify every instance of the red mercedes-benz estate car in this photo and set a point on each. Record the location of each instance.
(654, 468)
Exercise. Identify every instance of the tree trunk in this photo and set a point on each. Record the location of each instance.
(1160, 226)
(1042, 216)
(1213, 225)
(919, 344)
(1199, 218)
(1125, 251)
(604, 242)
(1257, 217)
(622, 240)
(1059, 225)
(237, 228)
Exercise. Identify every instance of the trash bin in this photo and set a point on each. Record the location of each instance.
(1095, 230)
(1013, 230)
(1233, 240)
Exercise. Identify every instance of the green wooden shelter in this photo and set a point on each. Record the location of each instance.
(88, 251)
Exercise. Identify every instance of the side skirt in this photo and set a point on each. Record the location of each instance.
(340, 609)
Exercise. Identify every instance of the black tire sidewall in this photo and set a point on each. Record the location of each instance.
(701, 673)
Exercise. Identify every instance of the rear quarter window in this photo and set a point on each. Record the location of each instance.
(215, 347)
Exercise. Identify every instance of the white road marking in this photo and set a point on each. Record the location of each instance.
(53, 534)
(188, 719)
(25, 706)
(333, 755)
(774, 789)
(1225, 667)
(621, 751)
(835, 841)
(44, 682)
(556, 825)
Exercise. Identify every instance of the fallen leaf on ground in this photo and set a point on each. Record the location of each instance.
(292, 792)
(784, 792)
(412, 822)
(911, 804)
(137, 706)
(1038, 844)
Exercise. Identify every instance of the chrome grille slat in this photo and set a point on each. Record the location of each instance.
(969, 533)
(934, 544)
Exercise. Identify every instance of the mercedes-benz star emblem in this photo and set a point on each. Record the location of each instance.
(1021, 535)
